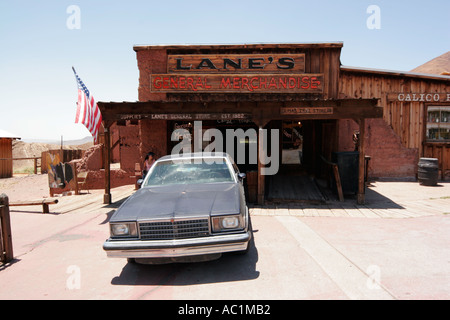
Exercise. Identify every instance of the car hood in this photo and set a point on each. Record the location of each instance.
(180, 201)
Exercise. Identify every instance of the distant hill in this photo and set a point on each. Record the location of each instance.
(23, 149)
(439, 65)
(86, 139)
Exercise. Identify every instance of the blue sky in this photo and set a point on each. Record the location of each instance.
(38, 88)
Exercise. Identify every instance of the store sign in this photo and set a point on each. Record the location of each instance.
(237, 63)
(309, 110)
(187, 116)
(419, 97)
(237, 73)
(243, 83)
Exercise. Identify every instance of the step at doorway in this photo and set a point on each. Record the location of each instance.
(294, 188)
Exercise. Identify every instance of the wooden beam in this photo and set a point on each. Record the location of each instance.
(239, 47)
(261, 178)
(43, 202)
(257, 110)
(7, 247)
(107, 153)
(361, 149)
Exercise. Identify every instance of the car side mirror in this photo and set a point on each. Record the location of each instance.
(241, 176)
(139, 182)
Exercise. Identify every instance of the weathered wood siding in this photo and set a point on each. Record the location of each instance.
(406, 118)
(441, 151)
(6, 166)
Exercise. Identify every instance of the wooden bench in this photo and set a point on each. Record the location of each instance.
(44, 202)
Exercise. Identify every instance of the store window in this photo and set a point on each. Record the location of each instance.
(438, 123)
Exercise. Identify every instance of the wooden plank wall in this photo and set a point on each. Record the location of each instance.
(325, 61)
(407, 119)
(6, 166)
(441, 151)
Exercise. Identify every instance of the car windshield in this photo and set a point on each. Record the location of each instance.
(189, 171)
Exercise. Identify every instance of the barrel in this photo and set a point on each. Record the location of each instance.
(428, 171)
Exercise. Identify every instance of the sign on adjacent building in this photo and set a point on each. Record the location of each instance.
(300, 111)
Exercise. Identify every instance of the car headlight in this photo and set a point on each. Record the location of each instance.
(123, 229)
(225, 223)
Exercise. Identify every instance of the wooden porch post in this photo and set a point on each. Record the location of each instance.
(5, 229)
(107, 154)
(261, 178)
(361, 149)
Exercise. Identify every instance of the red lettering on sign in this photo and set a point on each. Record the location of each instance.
(225, 82)
(273, 83)
(190, 82)
(239, 83)
(305, 81)
(236, 84)
(166, 83)
(182, 82)
(315, 83)
(252, 83)
(292, 83)
(157, 83)
(245, 84)
(173, 83)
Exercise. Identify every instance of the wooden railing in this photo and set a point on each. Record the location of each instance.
(6, 248)
(36, 164)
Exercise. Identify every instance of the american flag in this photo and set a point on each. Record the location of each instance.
(88, 112)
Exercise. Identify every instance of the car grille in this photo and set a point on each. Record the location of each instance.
(177, 229)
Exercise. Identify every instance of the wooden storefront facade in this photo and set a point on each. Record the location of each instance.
(291, 88)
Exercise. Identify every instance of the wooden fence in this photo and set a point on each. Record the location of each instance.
(6, 248)
(9, 174)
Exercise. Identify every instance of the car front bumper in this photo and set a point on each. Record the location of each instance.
(176, 248)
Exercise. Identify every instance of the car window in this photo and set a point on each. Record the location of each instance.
(204, 170)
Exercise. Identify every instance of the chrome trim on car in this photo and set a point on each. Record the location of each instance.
(167, 229)
(177, 248)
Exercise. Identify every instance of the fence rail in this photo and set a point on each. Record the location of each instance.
(6, 248)
(36, 164)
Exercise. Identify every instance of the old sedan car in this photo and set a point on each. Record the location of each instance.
(190, 207)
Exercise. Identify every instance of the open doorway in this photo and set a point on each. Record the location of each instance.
(237, 137)
(303, 146)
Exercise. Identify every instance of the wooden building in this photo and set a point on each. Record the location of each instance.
(303, 106)
(6, 162)
(416, 114)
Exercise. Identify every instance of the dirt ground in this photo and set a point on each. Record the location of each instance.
(25, 187)
(297, 253)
